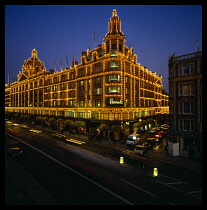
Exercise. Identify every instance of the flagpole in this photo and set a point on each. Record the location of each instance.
(55, 65)
(66, 60)
(8, 76)
(94, 38)
(60, 64)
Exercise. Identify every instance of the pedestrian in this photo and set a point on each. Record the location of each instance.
(109, 140)
(142, 165)
(166, 149)
(99, 138)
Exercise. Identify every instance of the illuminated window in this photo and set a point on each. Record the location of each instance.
(97, 91)
(55, 88)
(114, 53)
(114, 78)
(186, 89)
(114, 64)
(114, 89)
(62, 86)
(97, 80)
(71, 103)
(81, 83)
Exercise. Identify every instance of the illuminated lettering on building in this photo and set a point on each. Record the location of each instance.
(115, 102)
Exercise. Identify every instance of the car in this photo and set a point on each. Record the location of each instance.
(133, 139)
(36, 131)
(24, 126)
(140, 149)
(15, 124)
(150, 142)
(161, 134)
(15, 151)
(154, 130)
(9, 122)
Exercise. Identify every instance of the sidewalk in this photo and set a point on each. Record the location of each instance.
(178, 160)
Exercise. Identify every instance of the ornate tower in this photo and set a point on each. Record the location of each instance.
(32, 66)
(115, 38)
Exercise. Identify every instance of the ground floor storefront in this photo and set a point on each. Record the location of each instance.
(184, 144)
(121, 123)
(93, 113)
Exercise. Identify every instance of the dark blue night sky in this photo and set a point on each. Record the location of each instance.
(154, 32)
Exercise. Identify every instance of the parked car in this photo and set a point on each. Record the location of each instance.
(161, 134)
(133, 139)
(154, 130)
(140, 149)
(15, 124)
(15, 151)
(150, 142)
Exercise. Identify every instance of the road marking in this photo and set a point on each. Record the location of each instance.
(169, 186)
(172, 178)
(105, 172)
(195, 191)
(75, 141)
(90, 180)
(139, 188)
(174, 183)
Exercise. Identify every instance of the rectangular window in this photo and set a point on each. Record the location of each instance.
(71, 103)
(97, 91)
(186, 107)
(71, 85)
(186, 125)
(62, 86)
(81, 83)
(113, 46)
(186, 89)
(114, 89)
(114, 78)
(186, 70)
(180, 70)
(97, 80)
(192, 68)
(181, 125)
(55, 88)
(181, 107)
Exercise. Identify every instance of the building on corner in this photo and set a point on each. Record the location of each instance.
(107, 87)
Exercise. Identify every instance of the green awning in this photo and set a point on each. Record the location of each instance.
(104, 127)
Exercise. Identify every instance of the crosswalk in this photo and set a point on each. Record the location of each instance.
(69, 139)
(75, 141)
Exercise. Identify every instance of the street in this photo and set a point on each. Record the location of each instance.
(71, 171)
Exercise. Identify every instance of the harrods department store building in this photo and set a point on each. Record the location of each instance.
(107, 85)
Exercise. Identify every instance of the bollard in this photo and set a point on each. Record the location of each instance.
(121, 160)
(155, 172)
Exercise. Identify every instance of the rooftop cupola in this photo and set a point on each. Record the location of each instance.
(115, 38)
(114, 25)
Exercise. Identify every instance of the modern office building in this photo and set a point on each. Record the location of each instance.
(185, 100)
(108, 85)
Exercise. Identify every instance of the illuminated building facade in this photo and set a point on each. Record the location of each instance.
(108, 84)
